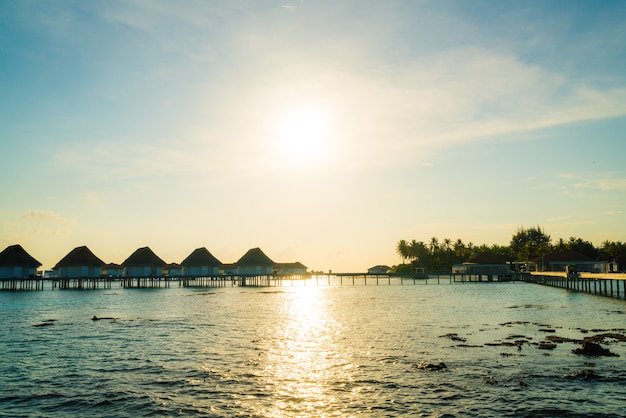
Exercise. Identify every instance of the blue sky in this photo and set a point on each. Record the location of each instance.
(323, 132)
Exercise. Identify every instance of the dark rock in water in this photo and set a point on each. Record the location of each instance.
(490, 380)
(46, 323)
(546, 346)
(557, 339)
(593, 350)
(95, 318)
(453, 337)
(431, 366)
(606, 337)
(585, 374)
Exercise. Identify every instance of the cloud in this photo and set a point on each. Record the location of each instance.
(603, 184)
(39, 215)
(612, 212)
(558, 218)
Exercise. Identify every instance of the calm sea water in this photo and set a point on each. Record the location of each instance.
(309, 351)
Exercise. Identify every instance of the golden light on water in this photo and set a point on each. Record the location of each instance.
(305, 363)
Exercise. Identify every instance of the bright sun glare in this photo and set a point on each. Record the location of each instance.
(303, 134)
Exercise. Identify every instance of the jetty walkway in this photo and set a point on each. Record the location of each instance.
(610, 285)
(267, 280)
(607, 284)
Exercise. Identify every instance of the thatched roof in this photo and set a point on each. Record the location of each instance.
(291, 266)
(113, 266)
(143, 257)
(80, 256)
(201, 257)
(255, 257)
(15, 255)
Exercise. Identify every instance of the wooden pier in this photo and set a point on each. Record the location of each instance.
(269, 280)
(611, 284)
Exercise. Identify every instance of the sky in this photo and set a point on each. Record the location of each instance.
(320, 131)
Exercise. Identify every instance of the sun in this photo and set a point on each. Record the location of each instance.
(303, 134)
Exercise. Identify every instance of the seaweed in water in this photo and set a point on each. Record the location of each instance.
(584, 374)
(453, 337)
(431, 366)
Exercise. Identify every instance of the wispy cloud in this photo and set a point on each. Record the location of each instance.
(39, 215)
(612, 212)
(40, 222)
(603, 184)
(558, 218)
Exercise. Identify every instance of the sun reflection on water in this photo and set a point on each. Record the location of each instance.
(305, 365)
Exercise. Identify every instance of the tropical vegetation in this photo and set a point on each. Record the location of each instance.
(526, 244)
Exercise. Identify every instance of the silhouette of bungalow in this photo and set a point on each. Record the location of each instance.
(16, 263)
(619, 263)
(200, 263)
(255, 262)
(290, 268)
(379, 269)
(559, 260)
(172, 269)
(143, 263)
(229, 269)
(484, 263)
(80, 262)
(112, 270)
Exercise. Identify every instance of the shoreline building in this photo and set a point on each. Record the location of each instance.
(16, 263)
(79, 263)
(379, 269)
(143, 263)
(562, 260)
(484, 263)
(200, 263)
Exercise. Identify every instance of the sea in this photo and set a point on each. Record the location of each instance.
(306, 350)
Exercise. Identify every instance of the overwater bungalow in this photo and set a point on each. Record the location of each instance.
(290, 268)
(112, 270)
(143, 263)
(228, 269)
(79, 263)
(172, 269)
(255, 262)
(200, 263)
(16, 263)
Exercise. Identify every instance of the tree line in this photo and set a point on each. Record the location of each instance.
(526, 244)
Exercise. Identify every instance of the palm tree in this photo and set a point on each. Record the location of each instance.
(403, 250)
(459, 248)
(434, 244)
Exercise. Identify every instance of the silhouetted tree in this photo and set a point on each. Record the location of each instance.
(529, 243)
(583, 247)
(403, 250)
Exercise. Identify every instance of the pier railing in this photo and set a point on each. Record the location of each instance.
(334, 279)
(604, 284)
(610, 284)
